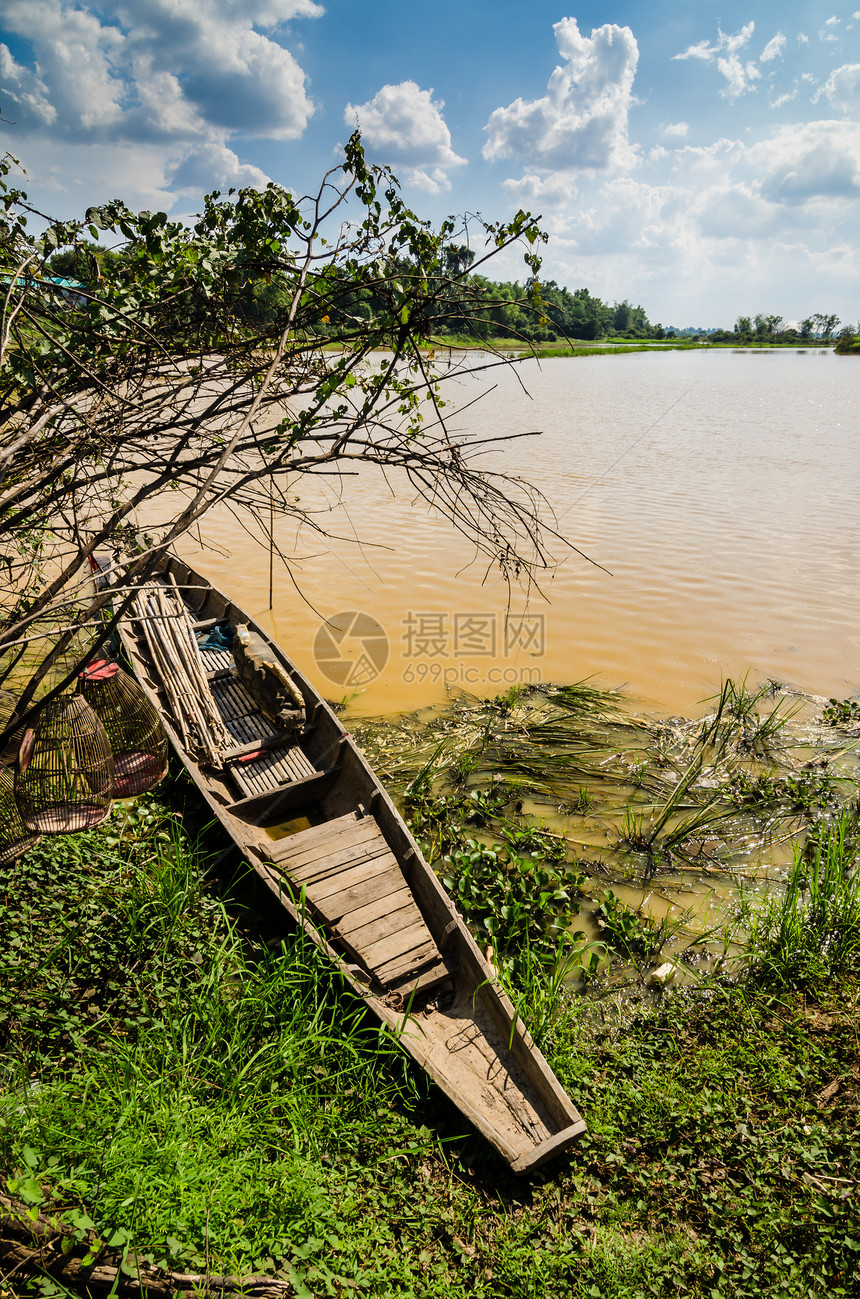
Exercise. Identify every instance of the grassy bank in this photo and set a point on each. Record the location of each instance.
(179, 1082)
(618, 346)
(575, 347)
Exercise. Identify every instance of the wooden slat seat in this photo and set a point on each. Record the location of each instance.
(241, 716)
(354, 882)
(216, 660)
(274, 767)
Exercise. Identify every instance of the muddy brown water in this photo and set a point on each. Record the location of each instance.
(720, 490)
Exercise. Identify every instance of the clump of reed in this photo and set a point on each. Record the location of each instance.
(809, 932)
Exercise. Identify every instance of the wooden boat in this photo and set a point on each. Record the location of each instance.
(308, 813)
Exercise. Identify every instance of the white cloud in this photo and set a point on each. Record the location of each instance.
(828, 31)
(730, 42)
(430, 182)
(815, 160)
(732, 210)
(773, 49)
(26, 91)
(215, 165)
(75, 56)
(581, 123)
(185, 75)
(740, 76)
(532, 190)
(403, 125)
(702, 50)
(842, 88)
(676, 130)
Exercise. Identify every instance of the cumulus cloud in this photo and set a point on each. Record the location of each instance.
(740, 75)
(75, 55)
(842, 88)
(676, 130)
(403, 125)
(773, 49)
(532, 190)
(817, 160)
(214, 165)
(581, 122)
(25, 95)
(720, 218)
(170, 72)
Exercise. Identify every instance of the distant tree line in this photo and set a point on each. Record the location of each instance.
(770, 329)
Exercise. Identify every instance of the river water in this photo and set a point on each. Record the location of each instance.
(718, 492)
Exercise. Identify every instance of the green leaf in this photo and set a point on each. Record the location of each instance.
(30, 1191)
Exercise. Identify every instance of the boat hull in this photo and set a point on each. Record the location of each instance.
(353, 877)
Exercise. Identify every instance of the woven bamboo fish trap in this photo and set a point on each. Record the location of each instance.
(15, 838)
(64, 775)
(9, 752)
(133, 727)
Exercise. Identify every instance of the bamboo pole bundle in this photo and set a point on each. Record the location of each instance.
(176, 656)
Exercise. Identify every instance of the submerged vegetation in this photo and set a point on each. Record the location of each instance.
(183, 1090)
(613, 806)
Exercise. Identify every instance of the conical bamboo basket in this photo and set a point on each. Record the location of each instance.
(15, 838)
(133, 727)
(64, 774)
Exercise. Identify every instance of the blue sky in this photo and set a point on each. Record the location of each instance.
(704, 162)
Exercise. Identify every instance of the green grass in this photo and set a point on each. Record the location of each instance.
(208, 1096)
(178, 1078)
(809, 932)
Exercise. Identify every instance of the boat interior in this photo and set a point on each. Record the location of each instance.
(328, 844)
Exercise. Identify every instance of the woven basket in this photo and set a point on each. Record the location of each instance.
(64, 774)
(9, 752)
(133, 727)
(15, 838)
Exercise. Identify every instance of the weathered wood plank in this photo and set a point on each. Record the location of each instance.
(341, 826)
(334, 908)
(383, 916)
(404, 964)
(318, 879)
(417, 984)
(351, 875)
(328, 858)
(319, 846)
(402, 943)
(281, 849)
